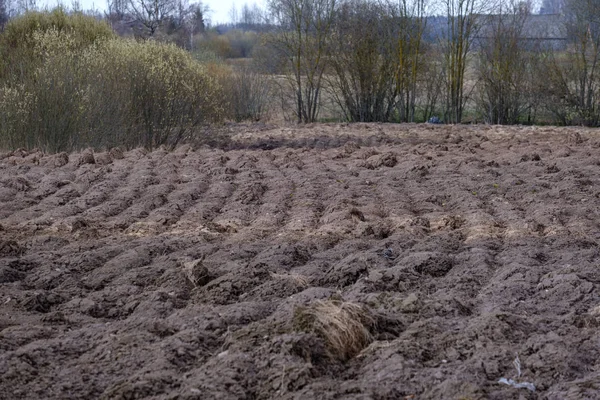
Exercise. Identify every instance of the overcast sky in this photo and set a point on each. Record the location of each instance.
(219, 8)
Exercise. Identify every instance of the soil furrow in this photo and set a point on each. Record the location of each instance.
(318, 261)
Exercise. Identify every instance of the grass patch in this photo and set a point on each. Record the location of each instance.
(344, 326)
(294, 278)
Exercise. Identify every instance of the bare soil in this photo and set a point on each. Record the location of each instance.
(200, 273)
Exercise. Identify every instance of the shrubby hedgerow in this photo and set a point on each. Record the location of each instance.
(59, 91)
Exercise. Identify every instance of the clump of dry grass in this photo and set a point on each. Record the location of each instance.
(356, 214)
(196, 272)
(294, 278)
(343, 325)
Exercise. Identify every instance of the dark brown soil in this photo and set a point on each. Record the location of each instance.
(181, 275)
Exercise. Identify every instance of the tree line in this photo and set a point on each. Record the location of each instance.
(451, 61)
(391, 61)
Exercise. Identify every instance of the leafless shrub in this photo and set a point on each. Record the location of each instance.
(301, 39)
(504, 68)
(376, 55)
(571, 87)
(462, 26)
(249, 93)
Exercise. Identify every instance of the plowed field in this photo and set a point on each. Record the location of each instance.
(319, 262)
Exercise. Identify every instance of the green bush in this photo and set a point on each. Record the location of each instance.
(109, 92)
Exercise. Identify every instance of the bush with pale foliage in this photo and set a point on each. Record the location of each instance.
(64, 88)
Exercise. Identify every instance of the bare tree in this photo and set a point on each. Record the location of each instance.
(377, 57)
(301, 39)
(76, 6)
(430, 83)
(247, 16)
(457, 42)
(573, 87)
(116, 8)
(3, 13)
(195, 18)
(365, 57)
(151, 14)
(251, 15)
(551, 6)
(412, 22)
(187, 21)
(234, 15)
(504, 68)
(26, 5)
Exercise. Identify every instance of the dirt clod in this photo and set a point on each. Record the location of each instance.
(381, 160)
(196, 272)
(61, 159)
(10, 248)
(86, 157)
(18, 183)
(116, 153)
